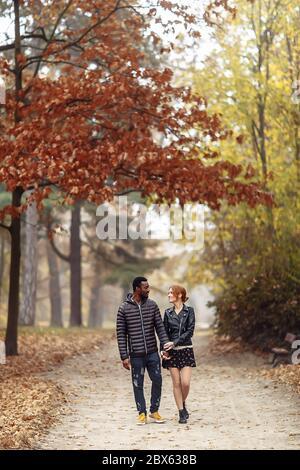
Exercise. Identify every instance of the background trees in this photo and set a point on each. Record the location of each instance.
(252, 256)
(83, 107)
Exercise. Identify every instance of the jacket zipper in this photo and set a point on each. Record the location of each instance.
(180, 326)
(140, 309)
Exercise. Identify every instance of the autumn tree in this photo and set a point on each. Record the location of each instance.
(88, 130)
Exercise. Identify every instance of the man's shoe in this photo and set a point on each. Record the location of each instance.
(156, 416)
(142, 419)
(182, 417)
(187, 415)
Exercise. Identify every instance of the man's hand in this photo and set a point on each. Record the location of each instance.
(126, 363)
(168, 346)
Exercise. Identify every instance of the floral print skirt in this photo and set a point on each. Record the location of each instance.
(180, 358)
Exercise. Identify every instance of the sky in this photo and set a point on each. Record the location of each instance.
(6, 26)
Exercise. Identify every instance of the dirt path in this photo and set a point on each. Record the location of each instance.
(231, 407)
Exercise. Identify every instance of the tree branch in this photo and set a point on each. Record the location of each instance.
(91, 28)
(60, 16)
(101, 254)
(39, 60)
(128, 191)
(43, 184)
(7, 47)
(8, 227)
(61, 255)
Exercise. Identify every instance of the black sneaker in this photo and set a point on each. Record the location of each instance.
(182, 417)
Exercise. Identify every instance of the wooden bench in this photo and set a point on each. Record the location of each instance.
(284, 355)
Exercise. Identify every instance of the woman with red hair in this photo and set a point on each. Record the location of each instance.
(178, 355)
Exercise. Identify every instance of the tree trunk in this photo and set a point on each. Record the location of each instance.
(28, 304)
(54, 288)
(262, 98)
(11, 338)
(294, 71)
(97, 307)
(262, 137)
(74, 258)
(95, 312)
(297, 150)
(75, 266)
(2, 252)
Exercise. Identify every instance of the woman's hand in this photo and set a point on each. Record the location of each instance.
(168, 346)
(165, 355)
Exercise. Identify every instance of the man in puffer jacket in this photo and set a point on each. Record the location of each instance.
(137, 320)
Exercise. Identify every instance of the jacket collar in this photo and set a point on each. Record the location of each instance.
(185, 308)
(131, 301)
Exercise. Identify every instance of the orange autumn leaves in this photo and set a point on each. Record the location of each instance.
(93, 117)
(30, 403)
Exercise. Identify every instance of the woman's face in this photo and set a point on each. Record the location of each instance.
(172, 297)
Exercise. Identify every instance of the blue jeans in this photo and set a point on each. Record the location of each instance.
(151, 362)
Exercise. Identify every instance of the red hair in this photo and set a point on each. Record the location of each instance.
(177, 290)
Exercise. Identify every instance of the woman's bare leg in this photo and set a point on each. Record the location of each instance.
(175, 374)
(185, 380)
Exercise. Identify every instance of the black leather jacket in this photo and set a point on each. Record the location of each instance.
(180, 327)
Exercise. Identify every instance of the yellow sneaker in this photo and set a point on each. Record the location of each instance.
(156, 416)
(142, 419)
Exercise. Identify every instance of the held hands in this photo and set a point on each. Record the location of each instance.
(168, 346)
(126, 363)
(165, 355)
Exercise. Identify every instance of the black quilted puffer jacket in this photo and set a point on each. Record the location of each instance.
(136, 326)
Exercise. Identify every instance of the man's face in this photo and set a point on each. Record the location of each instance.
(144, 289)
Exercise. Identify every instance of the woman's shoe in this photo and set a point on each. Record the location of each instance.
(187, 415)
(182, 417)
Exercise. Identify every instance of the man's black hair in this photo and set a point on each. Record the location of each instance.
(137, 282)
